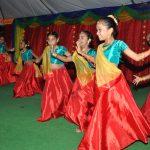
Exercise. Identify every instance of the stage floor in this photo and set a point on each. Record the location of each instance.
(19, 129)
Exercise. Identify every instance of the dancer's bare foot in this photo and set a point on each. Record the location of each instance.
(78, 130)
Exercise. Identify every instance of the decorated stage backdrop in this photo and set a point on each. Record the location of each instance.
(133, 28)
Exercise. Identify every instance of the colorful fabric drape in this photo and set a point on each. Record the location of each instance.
(86, 18)
(105, 71)
(115, 110)
(146, 108)
(6, 69)
(84, 73)
(55, 94)
(19, 66)
(46, 66)
(19, 35)
(27, 83)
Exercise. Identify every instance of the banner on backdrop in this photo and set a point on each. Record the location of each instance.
(6, 21)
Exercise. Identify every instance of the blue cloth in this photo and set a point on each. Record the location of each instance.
(27, 55)
(61, 50)
(113, 52)
(91, 52)
(2, 48)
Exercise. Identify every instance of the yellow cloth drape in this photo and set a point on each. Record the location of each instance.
(19, 35)
(37, 71)
(105, 70)
(84, 73)
(46, 66)
(18, 67)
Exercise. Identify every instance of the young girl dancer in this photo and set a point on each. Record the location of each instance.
(29, 81)
(79, 106)
(6, 64)
(57, 81)
(116, 121)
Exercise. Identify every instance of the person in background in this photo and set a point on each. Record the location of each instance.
(138, 79)
(146, 107)
(30, 80)
(58, 83)
(6, 64)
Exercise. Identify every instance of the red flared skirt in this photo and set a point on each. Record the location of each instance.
(55, 94)
(146, 109)
(116, 121)
(80, 105)
(6, 71)
(10, 73)
(27, 84)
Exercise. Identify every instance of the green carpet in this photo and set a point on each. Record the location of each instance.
(19, 129)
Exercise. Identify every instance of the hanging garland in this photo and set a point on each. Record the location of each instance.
(124, 13)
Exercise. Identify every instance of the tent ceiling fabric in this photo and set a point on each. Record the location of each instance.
(29, 8)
